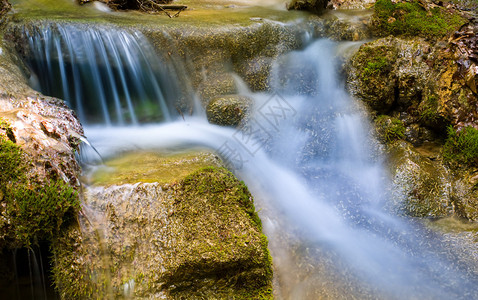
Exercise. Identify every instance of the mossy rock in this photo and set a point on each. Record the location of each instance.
(371, 76)
(229, 110)
(465, 193)
(198, 237)
(415, 18)
(31, 209)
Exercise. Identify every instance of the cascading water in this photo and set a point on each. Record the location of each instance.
(307, 155)
(107, 76)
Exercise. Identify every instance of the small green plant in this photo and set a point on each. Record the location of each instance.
(411, 19)
(389, 129)
(461, 147)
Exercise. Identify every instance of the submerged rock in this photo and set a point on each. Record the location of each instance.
(199, 237)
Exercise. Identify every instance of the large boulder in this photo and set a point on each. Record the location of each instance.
(195, 237)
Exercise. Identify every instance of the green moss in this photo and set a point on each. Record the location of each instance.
(390, 129)
(240, 256)
(374, 67)
(374, 61)
(213, 181)
(412, 19)
(461, 148)
(34, 210)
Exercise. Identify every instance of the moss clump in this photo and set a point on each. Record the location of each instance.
(31, 209)
(375, 66)
(389, 129)
(412, 19)
(461, 148)
(374, 62)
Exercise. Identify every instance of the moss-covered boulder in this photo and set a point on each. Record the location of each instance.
(401, 76)
(197, 237)
(31, 208)
(229, 110)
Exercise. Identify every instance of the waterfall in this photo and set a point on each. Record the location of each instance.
(306, 154)
(107, 76)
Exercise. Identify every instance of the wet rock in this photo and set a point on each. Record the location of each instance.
(316, 6)
(197, 237)
(421, 184)
(229, 110)
(465, 193)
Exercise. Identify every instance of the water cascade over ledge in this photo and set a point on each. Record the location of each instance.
(306, 154)
(106, 75)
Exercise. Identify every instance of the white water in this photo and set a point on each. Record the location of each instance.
(308, 155)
